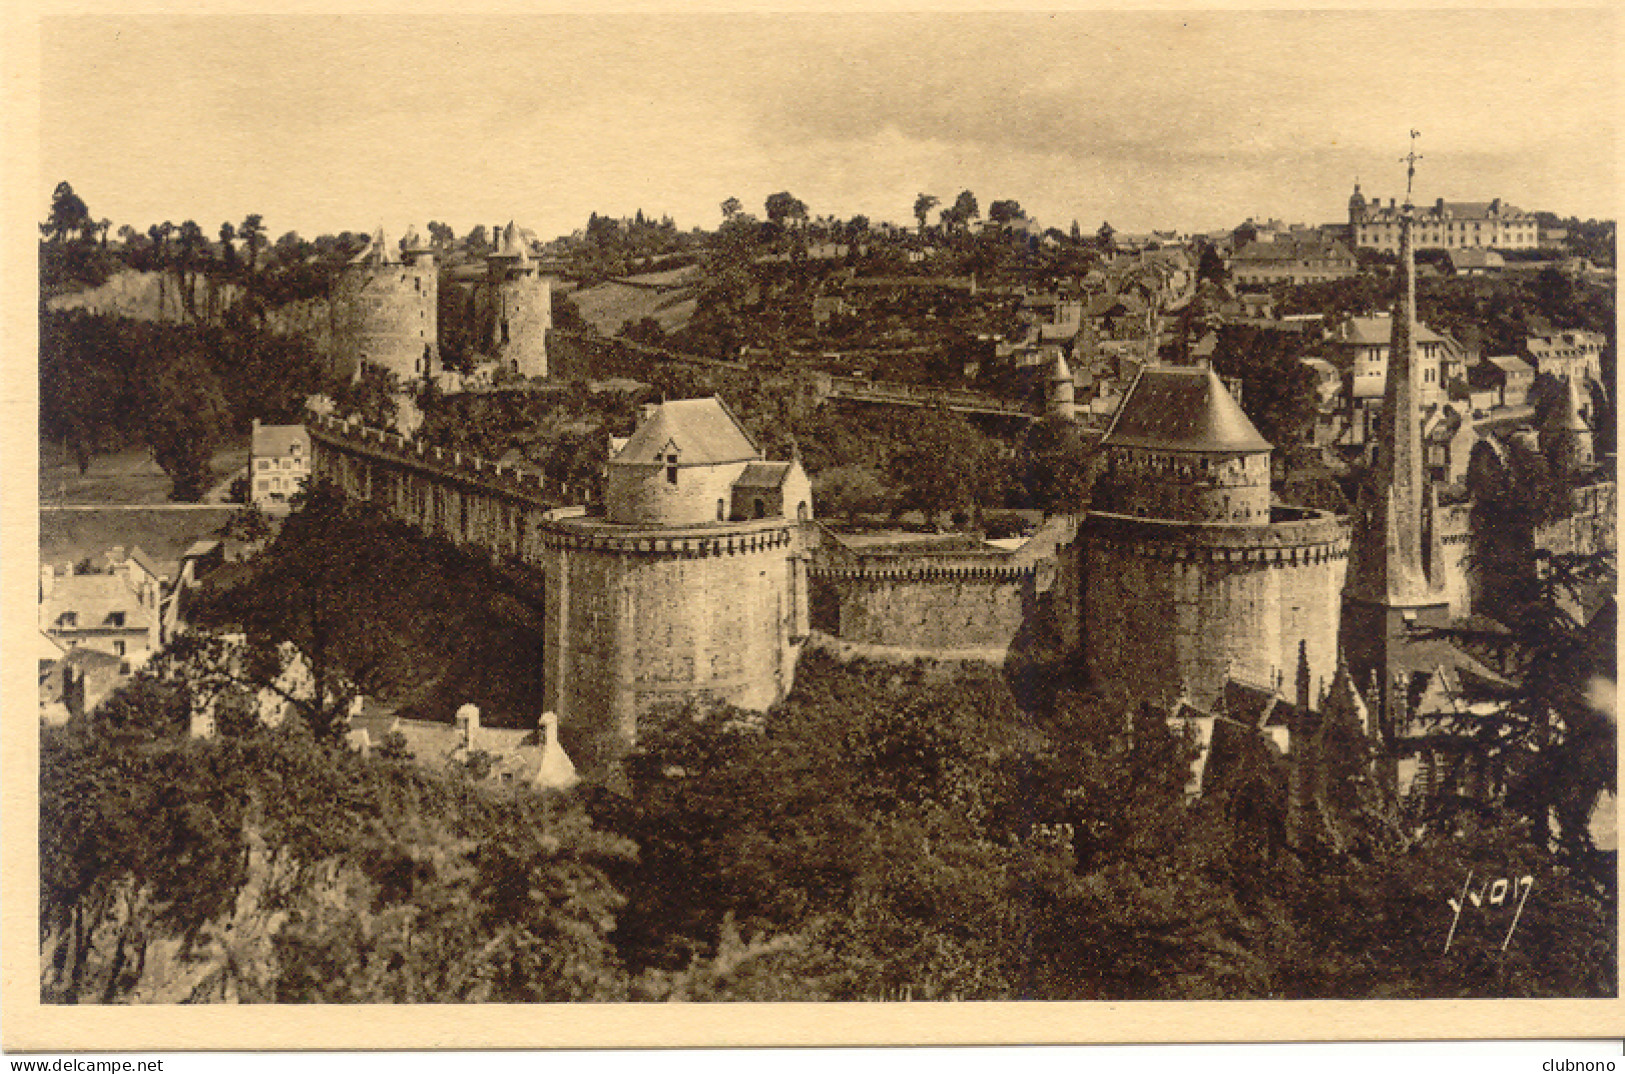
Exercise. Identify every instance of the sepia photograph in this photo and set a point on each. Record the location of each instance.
(598, 510)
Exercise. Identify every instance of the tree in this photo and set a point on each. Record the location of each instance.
(68, 216)
(371, 394)
(1547, 727)
(477, 243)
(1052, 466)
(441, 236)
(228, 251)
(1277, 390)
(252, 232)
(1005, 212)
(848, 491)
(731, 208)
(946, 466)
(1105, 238)
(965, 209)
(923, 204)
(784, 208)
(185, 413)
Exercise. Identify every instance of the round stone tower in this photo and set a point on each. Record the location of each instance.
(385, 311)
(521, 306)
(691, 583)
(1188, 575)
(1059, 395)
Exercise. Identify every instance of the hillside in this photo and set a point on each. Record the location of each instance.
(668, 297)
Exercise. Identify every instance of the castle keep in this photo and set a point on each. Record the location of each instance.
(1189, 576)
(385, 309)
(513, 307)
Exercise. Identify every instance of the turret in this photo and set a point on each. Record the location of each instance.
(1356, 205)
(1061, 391)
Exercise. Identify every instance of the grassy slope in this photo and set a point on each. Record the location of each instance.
(610, 305)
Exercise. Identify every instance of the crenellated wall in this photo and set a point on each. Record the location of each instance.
(1177, 606)
(633, 616)
(958, 600)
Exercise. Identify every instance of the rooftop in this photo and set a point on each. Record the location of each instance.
(1182, 408)
(271, 440)
(704, 432)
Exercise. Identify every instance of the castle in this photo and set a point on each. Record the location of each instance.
(386, 308)
(702, 573)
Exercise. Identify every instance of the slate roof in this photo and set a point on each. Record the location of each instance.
(276, 440)
(94, 599)
(1379, 330)
(704, 432)
(763, 475)
(1182, 408)
(1293, 250)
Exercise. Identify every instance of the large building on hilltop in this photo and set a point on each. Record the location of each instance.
(385, 311)
(1188, 575)
(690, 582)
(1447, 225)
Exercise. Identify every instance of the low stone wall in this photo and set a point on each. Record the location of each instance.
(957, 600)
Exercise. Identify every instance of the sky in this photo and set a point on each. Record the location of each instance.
(1194, 121)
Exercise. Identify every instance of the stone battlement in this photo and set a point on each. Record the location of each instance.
(354, 437)
(1313, 537)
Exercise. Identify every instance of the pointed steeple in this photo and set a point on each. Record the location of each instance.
(556, 772)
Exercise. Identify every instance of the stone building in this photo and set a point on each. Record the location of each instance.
(1188, 575)
(385, 310)
(278, 465)
(513, 307)
(690, 583)
(1446, 225)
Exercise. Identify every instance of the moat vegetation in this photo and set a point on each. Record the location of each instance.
(919, 831)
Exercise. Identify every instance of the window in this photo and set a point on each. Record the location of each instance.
(118, 648)
(761, 508)
(671, 469)
(115, 619)
(265, 464)
(68, 620)
(722, 511)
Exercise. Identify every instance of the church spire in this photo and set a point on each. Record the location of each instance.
(1396, 577)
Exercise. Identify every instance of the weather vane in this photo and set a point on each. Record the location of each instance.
(1410, 160)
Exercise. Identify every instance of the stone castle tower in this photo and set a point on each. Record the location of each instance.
(1397, 581)
(514, 307)
(1188, 575)
(691, 582)
(385, 310)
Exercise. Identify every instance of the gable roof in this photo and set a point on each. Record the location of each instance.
(1378, 329)
(704, 431)
(1182, 408)
(764, 475)
(279, 440)
(93, 599)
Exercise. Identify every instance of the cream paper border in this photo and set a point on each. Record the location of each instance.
(28, 1026)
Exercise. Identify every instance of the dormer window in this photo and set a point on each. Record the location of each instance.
(115, 619)
(68, 620)
(671, 468)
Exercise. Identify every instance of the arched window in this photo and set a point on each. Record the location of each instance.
(801, 511)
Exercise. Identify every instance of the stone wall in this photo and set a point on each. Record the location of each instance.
(633, 616)
(633, 621)
(1170, 606)
(976, 600)
(387, 315)
(640, 494)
